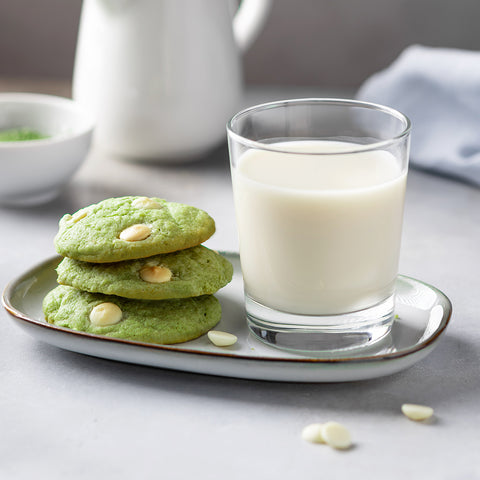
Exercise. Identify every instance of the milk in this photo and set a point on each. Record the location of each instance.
(319, 234)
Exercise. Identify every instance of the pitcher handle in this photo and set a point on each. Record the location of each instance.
(249, 20)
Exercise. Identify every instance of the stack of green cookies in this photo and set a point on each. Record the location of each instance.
(134, 268)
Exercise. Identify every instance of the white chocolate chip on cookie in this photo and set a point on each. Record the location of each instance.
(313, 433)
(417, 412)
(155, 274)
(79, 215)
(145, 202)
(105, 314)
(136, 233)
(221, 339)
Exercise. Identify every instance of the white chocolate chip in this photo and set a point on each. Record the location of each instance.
(145, 202)
(79, 215)
(417, 412)
(136, 233)
(313, 433)
(221, 339)
(155, 274)
(336, 435)
(105, 314)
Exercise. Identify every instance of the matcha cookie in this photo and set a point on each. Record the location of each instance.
(187, 273)
(163, 322)
(127, 228)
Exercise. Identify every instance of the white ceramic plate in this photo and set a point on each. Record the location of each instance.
(423, 314)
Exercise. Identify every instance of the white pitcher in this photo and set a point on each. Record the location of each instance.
(162, 77)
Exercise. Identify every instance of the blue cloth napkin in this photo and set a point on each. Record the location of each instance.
(439, 90)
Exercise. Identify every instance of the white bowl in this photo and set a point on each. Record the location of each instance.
(35, 171)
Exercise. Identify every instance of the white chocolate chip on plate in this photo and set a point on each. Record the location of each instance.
(313, 433)
(105, 314)
(221, 339)
(417, 412)
(145, 202)
(155, 274)
(336, 435)
(136, 233)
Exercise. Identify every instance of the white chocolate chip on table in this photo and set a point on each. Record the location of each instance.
(136, 233)
(221, 339)
(336, 435)
(105, 314)
(313, 433)
(332, 433)
(417, 412)
(155, 274)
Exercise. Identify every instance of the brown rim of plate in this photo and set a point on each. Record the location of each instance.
(18, 315)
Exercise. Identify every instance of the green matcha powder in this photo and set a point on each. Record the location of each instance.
(20, 135)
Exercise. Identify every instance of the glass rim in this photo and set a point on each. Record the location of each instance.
(325, 101)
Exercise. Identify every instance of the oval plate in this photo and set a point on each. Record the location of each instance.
(422, 314)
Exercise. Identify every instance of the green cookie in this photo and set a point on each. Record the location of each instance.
(150, 321)
(126, 228)
(186, 273)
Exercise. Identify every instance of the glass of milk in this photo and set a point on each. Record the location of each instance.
(319, 188)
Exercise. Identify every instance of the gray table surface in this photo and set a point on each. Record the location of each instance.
(65, 415)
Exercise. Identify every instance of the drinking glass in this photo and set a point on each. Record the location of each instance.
(319, 188)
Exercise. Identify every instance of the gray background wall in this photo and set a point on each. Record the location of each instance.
(305, 42)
